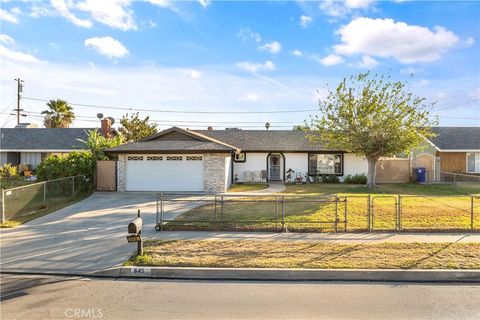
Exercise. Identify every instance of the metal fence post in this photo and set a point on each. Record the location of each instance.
(369, 218)
(45, 193)
(221, 212)
(346, 214)
(158, 208)
(336, 213)
(283, 213)
(471, 212)
(3, 205)
(276, 212)
(399, 212)
(215, 218)
(73, 186)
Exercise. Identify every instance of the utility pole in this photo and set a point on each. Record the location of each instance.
(19, 90)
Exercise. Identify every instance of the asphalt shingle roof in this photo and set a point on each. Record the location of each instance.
(264, 140)
(42, 138)
(170, 145)
(457, 138)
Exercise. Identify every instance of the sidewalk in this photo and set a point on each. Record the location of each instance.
(347, 238)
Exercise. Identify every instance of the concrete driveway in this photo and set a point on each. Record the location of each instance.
(87, 236)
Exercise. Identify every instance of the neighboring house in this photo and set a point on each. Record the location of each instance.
(454, 149)
(30, 145)
(211, 160)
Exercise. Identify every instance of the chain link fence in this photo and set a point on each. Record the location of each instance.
(25, 200)
(329, 213)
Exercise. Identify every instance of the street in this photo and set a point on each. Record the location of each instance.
(50, 297)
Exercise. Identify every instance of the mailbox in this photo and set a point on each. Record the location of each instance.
(135, 226)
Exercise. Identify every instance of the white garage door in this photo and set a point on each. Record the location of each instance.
(171, 172)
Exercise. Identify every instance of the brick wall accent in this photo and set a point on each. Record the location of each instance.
(121, 173)
(214, 172)
(453, 162)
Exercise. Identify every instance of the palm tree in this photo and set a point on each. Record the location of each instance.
(58, 115)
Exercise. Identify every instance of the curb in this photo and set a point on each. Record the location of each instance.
(271, 274)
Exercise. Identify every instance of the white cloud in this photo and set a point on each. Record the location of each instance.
(161, 3)
(305, 20)
(358, 4)
(469, 42)
(296, 53)
(204, 3)
(331, 60)
(8, 16)
(107, 46)
(193, 74)
(387, 38)
(113, 13)
(63, 10)
(251, 96)
(368, 62)
(246, 34)
(255, 67)
(6, 39)
(340, 9)
(272, 47)
(17, 56)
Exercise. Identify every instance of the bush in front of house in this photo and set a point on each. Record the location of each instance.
(355, 179)
(71, 164)
(7, 171)
(331, 178)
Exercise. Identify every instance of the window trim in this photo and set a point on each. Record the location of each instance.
(240, 161)
(474, 162)
(342, 163)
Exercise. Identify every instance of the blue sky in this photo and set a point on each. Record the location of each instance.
(224, 56)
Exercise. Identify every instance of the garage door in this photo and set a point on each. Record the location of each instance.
(164, 172)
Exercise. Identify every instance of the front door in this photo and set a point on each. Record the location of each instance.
(274, 167)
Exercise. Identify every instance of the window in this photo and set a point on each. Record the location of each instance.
(194, 158)
(154, 158)
(174, 158)
(473, 162)
(134, 158)
(240, 157)
(325, 163)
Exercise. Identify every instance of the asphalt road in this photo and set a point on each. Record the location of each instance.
(42, 297)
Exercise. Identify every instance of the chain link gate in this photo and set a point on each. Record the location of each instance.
(385, 220)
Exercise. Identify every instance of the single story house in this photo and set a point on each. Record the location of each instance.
(211, 160)
(455, 149)
(29, 145)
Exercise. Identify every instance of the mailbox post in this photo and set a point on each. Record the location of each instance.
(135, 232)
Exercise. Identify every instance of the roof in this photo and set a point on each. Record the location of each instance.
(40, 139)
(456, 138)
(265, 140)
(174, 140)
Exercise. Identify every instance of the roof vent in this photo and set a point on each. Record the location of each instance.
(209, 128)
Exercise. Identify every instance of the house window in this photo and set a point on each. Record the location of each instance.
(154, 158)
(240, 157)
(174, 158)
(194, 158)
(325, 163)
(473, 162)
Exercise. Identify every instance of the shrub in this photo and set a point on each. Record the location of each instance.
(7, 171)
(71, 164)
(331, 178)
(355, 179)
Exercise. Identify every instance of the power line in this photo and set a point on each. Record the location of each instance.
(177, 111)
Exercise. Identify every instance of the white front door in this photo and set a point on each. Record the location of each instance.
(164, 172)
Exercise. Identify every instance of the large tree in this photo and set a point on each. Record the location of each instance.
(58, 115)
(133, 128)
(372, 116)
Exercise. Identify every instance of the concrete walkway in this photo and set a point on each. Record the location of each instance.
(273, 187)
(346, 238)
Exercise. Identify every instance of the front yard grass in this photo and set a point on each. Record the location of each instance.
(280, 254)
(421, 210)
(244, 187)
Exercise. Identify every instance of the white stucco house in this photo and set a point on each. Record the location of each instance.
(211, 160)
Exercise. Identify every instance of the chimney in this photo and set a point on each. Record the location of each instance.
(106, 127)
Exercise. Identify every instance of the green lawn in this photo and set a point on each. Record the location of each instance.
(420, 210)
(399, 188)
(245, 187)
(279, 254)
